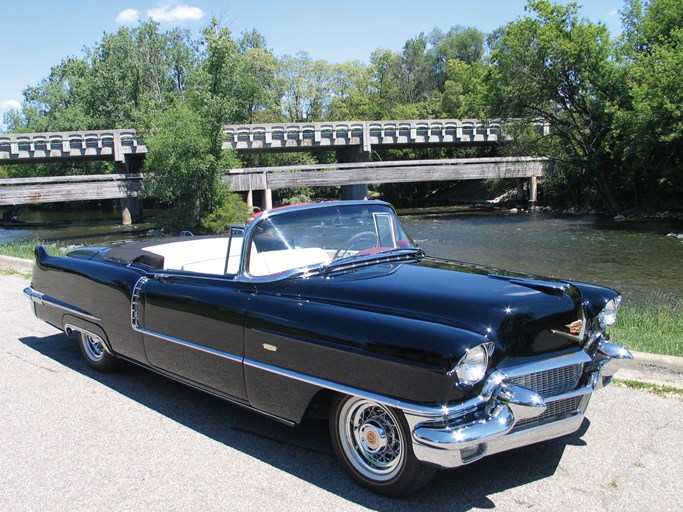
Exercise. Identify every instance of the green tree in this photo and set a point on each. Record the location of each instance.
(122, 81)
(465, 44)
(259, 93)
(555, 66)
(186, 175)
(216, 84)
(57, 103)
(648, 130)
(383, 64)
(352, 93)
(305, 87)
(465, 90)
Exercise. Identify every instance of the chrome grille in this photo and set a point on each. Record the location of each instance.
(555, 411)
(551, 382)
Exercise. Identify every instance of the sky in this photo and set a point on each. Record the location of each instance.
(37, 35)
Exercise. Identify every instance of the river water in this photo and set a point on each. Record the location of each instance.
(633, 256)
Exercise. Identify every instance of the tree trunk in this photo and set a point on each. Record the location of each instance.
(606, 193)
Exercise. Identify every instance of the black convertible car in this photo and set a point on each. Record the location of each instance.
(331, 309)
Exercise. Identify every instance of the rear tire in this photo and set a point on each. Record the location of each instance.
(96, 354)
(373, 442)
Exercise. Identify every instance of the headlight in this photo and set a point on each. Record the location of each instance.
(472, 366)
(608, 316)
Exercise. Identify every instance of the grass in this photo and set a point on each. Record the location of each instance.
(12, 272)
(655, 325)
(25, 249)
(657, 389)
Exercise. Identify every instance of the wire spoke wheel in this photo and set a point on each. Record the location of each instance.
(372, 439)
(373, 442)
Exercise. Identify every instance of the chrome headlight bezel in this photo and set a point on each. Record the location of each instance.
(608, 315)
(472, 366)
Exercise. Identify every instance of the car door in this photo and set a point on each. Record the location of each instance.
(193, 326)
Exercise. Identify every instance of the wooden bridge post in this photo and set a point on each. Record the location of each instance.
(131, 210)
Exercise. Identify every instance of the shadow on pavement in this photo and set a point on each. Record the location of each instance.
(305, 451)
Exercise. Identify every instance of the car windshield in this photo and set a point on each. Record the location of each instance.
(305, 237)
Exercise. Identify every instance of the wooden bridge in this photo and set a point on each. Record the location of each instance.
(399, 171)
(18, 191)
(54, 189)
(265, 179)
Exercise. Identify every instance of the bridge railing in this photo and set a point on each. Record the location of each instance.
(365, 133)
(116, 144)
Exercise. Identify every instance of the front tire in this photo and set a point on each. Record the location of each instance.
(373, 442)
(96, 354)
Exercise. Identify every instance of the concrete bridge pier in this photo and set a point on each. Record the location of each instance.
(131, 210)
(527, 192)
(533, 192)
(131, 207)
(266, 199)
(353, 154)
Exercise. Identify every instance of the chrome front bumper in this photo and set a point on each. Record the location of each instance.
(507, 415)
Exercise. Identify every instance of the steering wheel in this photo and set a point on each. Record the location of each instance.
(357, 239)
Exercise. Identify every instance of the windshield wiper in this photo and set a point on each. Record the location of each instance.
(356, 261)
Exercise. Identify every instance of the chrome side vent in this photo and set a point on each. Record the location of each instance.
(135, 302)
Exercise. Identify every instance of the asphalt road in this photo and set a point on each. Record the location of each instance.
(73, 439)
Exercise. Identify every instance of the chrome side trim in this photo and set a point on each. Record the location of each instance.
(431, 411)
(189, 344)
(420, 412)
(46, 300)
(208, 390)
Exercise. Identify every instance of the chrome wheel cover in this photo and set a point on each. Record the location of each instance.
(372, 439)
(93, 346)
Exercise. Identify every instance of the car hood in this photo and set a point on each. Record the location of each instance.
(523, 316)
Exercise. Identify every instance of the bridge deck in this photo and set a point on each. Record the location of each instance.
(241, 180)
(54, 189)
